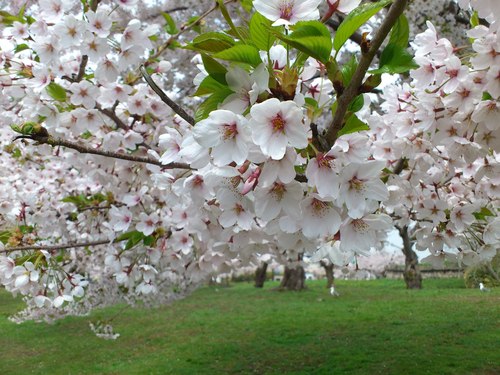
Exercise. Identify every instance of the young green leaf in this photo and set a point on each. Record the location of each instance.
(211, 42)
(170, 27)
(259, 32)
(211, 103)
(214, 69)
(400, 32)
(395, 59)
(353, 125)
(309, 37)
(56, 91)
(241, 53)
(355, 19)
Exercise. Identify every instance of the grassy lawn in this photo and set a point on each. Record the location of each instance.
(374, 327)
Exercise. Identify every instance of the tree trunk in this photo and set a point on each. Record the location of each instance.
(260, 275)
(329, 273)
(293, 279)
(412, 275)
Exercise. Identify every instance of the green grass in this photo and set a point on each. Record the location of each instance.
(374, 327)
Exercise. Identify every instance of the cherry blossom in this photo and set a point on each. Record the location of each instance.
(275, 125)
(286, 12)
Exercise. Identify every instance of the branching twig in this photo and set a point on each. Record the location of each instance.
(58, 247)
(351, 91)
(164, 97)
(110, 154)
(113, 116)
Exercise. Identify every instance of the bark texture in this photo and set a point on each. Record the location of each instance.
(412, 275)
(293, 279)
(260, 275)
(329, 273)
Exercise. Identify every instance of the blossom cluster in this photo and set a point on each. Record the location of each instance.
(248, 179)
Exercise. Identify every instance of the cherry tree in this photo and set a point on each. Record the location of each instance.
(115, 188)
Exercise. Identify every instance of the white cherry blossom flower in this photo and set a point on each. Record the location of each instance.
(147, 223)
(276, 125)
(319, 217)
(227, 134)
(360, 182)
(286, 12)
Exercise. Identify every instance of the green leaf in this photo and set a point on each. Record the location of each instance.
(356, 104)
(474, 19)
(211, 103)
(4, 237)
(211, 42)
(56, 91)
(134, 239)
(247, 5)
(209, 86)
(310, 37)
(259, 32)
(228, 19)
(148, 240)
(400, 32)
(170, 27)
(395, 59)
(241, 53)
(348, 70)
(21, 47)
(481, 215)
(353, 125)
(355, 19)
(214, 69)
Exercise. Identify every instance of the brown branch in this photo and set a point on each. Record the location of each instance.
(113, 116)
(164, 97)
(351, 91)
(59, 247)
(110, 154)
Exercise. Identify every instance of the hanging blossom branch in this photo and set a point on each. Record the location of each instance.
(351, 91)
(164, 97)
(59, 247)
(49, 140)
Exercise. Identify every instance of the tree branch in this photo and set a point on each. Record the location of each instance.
(164, 97)
(113, 116)
(59, 247)
(351, 91)
(49, 140)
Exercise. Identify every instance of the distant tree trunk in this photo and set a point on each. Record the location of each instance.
(329, 273)
(412, 275)
(293, 279)
(260, 275)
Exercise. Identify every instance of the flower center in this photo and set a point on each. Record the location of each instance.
(286, 10)
(359, 225)
(278, 124)
(278, 191)
(324, 161)
(319, 208)
(229, 131)
(356, 184)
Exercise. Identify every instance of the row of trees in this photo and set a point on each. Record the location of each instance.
(121, 186)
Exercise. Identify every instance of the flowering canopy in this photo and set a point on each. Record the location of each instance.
(108, 183)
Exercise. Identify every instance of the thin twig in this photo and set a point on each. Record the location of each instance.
(59, 247)
(164, 97)
(113, 116)
(351, 91)
(110, 154)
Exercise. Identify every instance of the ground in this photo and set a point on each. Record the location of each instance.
(374, 327)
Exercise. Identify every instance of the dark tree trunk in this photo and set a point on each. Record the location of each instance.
(329, 273)
(293, 279)
(412, 275)
(260, 275)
